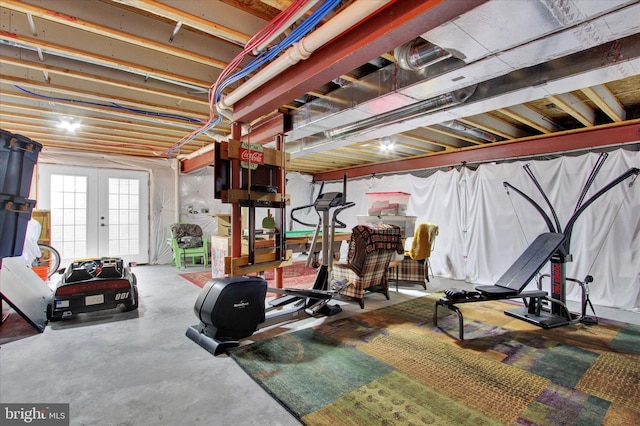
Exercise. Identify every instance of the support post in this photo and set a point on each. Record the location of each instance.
(236, 212)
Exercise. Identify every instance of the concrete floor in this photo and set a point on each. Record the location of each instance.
(138, 368)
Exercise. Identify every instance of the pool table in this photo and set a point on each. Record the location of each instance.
(300, 242)
(297, 241)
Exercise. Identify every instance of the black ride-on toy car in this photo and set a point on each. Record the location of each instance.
(92, 285)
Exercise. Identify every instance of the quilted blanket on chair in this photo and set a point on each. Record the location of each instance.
(365, 239)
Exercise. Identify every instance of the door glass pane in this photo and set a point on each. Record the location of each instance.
(69, 215)
(124, 216)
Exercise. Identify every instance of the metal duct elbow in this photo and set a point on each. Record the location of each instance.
(419, 54)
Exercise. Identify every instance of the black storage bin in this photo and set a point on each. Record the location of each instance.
(15, 213)
(18, 156)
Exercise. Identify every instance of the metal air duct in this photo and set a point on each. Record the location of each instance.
(458, 127)
(419, 54)
(412, 111)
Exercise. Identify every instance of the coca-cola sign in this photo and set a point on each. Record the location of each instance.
(251, 156)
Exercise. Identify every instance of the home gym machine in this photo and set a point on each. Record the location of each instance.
(558, 314)
(233, 308)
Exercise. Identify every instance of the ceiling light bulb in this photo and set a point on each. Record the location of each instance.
(68, 125)
(386, 144)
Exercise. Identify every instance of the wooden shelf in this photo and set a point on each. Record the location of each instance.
(241, 196)
(263, 261)
(252, 176)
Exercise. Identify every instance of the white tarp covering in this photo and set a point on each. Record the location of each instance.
(483, 229)
(162, 189)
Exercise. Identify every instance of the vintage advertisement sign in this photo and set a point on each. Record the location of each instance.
(251, 155)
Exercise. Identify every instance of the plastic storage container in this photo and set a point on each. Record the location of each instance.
(15, 213)
(387, 203)
(18, 157)
(406, 223)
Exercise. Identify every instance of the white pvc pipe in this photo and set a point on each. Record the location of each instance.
(308, 5)
(305, 47)
(197, 152)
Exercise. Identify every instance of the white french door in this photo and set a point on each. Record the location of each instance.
(96, 212)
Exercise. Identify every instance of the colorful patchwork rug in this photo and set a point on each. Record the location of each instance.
(393, 367)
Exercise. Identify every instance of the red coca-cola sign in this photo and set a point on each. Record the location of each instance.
(251, 156)
(255, 157)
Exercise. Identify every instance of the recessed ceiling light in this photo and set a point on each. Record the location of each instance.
(386, 144)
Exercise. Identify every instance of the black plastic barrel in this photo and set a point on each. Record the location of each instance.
(15, 213)
(18, 157)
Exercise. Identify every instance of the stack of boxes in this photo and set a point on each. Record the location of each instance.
(18, 157)
(389, 208)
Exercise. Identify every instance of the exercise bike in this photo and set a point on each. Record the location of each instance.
(233, 308)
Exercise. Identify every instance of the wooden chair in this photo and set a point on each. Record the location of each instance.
(414, 268)
(371, 248)
(187, 241)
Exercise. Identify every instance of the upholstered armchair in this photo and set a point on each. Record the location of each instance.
(414, 268)
(371, 248)
(187, 241)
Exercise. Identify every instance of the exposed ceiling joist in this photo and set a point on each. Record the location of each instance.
(187, 19)
(610, 135)
(531, 118)
(111, 33)
(606, 101)
(575, 107)
(161, 57)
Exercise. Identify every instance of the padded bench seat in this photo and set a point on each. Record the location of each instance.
(512, 283)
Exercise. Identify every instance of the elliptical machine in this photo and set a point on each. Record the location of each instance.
(233, 308)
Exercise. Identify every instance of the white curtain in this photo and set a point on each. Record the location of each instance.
(484, 227)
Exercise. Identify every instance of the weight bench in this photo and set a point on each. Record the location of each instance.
(511, 284)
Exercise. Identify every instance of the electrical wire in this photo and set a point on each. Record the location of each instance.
(112, 105)
(215, 92)
(228, 76)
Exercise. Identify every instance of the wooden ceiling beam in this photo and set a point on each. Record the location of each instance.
(76, 107)
(102, 60)
(93, 28)
(529, 117)
(571, 140)
(98, 97)
(9, 110)
(193, 21)
(572, 105)
(455, 135)
(100, 80)
(429, 141)
(606, 101)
